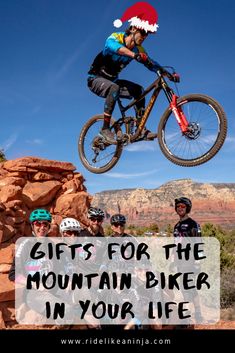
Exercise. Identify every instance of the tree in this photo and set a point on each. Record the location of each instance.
(154, 228)
(227, 258)
(169, 230)
(2, 156)
(108, 230)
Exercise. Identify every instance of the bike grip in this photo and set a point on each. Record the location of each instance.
(175, 77)
(141, 57)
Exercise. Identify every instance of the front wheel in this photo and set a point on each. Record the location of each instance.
(206, 135)
(97, 155)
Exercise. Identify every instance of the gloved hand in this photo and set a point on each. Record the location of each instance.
(172, 77)
(141, 57)
(175, 77)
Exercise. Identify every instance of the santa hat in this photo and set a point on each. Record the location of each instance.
(141, 15)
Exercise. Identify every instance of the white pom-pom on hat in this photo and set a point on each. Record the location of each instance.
(117, 23)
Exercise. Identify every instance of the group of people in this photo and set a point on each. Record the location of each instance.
(40, 220)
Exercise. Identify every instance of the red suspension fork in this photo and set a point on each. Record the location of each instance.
(179, 114)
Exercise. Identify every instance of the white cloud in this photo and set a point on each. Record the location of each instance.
(72, 59)
(141, 146)
(66, 66)
(9, 142)
(230, 139)
(35, 141)
(130, 176)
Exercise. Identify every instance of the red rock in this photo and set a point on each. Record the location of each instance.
(40, 194)
(2, 323)
(10, 192)
(36, 163)
(7, 288)
(73, 205)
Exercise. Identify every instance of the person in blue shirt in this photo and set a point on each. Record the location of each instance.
(119, 50)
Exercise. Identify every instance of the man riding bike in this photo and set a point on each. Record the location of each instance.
(119, 50)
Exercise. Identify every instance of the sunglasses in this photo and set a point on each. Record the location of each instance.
(118, 224)
(99, 220)
(143, 33)
(180, 205)
(71, 232)
(40, 224)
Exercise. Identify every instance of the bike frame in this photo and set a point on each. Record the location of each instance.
(158, 85)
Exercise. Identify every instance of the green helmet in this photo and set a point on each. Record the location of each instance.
(40, 215)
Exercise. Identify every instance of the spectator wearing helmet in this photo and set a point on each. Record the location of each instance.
(186, 227)
(40, 220)
(118, 224)
(95, 229)
(70, 227)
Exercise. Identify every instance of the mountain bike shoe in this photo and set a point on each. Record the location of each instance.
(108, 136)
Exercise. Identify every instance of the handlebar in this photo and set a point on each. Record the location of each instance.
(174, 77)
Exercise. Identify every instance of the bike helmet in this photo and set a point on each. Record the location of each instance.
(185, 201)
(40, 214)
(94, 212)
(118, 218)
(69, 224)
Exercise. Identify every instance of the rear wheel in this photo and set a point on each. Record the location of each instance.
(206, 134)
(96, 155)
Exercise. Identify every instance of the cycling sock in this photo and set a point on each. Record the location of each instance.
(106, 123)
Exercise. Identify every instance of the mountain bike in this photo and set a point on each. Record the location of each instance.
(191, 131)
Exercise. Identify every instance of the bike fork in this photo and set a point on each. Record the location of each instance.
(179, 114)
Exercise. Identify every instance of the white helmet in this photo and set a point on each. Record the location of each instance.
(69, 224)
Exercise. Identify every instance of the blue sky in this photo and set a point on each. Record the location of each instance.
(47, 47)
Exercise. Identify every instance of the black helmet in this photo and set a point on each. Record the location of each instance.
(94, 212)
(185, 201)
(118, 218)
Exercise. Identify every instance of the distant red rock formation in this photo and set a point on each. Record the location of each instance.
(212, 202)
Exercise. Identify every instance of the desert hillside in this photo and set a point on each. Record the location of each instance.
(212, 202)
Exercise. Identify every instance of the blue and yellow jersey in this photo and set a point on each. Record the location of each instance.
(109, 63)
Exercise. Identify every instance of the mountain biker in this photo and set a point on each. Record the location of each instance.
(40, 220)
(70, 227)
(118, 223)
(119, 50)
(95, 229)
(187, 227)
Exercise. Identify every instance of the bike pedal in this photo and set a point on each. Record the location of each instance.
(119, 136)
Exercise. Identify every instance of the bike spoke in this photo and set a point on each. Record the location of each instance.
(205, 129)
(96, 154)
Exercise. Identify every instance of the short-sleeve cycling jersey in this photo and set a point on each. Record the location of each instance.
(187, 228)
(109, 63)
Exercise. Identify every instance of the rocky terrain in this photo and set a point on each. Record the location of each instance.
(30, 182)
(25, 184)
(211, 203)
